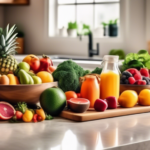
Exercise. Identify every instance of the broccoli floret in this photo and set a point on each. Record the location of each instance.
(67, 74)
(97, 70)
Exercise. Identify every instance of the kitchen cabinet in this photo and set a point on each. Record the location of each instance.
(14, 2)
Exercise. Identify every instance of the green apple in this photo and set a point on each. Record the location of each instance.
(25, 66)
(37, 80)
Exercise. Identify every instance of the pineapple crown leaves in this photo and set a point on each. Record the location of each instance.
(8, 42)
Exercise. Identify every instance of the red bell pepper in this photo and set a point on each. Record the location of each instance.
(45, 63)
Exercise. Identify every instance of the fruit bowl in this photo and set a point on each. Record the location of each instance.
(137, 88)
(23, 93)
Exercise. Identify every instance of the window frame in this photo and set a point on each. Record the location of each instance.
(78, 4)
(123, 22)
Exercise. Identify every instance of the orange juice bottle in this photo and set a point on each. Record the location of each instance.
(110, 77)
(90, 89)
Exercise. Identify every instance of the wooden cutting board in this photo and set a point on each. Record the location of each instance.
(94, 115)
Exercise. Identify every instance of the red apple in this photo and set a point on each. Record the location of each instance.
(112, 102)
(100, 105)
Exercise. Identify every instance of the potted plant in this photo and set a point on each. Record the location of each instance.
(85, 29)
(20, 41)
(113, 27)
(104, 28)
(72, 29)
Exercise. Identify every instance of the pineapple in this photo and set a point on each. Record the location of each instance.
(8, 45)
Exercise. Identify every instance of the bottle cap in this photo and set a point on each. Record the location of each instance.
(111, 58)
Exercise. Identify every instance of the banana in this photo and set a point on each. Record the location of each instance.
(24, 77)
(31, 74)
(31, 80)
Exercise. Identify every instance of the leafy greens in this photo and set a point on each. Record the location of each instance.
(136, 60)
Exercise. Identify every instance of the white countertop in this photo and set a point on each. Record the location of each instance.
(62, 134)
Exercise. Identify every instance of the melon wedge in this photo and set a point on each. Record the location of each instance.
(7, 111)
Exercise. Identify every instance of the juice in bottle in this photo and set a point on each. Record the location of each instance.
(90, 89)
(110, 77)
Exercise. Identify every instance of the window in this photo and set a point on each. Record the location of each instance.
(89, 12)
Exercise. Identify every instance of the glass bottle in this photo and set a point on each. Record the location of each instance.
(110, 77)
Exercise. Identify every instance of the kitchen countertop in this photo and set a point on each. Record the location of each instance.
(62, 134)
(87, 62)
(120, 133)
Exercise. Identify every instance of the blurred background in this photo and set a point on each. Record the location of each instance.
(57, 27)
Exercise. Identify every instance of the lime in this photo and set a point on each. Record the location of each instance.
(53, 101)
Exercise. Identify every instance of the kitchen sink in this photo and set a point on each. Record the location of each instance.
(85, 62)
(81, 58)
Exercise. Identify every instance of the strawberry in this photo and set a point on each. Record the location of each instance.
(137, 76)
(144, 72)
(131, 80)
(133, 71)
(19, 115)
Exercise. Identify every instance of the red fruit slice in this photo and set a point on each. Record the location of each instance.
(79, 100)
(79, 105)
(7, 111)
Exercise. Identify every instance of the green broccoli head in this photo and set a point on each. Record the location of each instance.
(67, 74)
(97, 70)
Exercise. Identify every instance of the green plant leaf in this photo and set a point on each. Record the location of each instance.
(131, 56)
(147, 64)
(12, 38)
(3, 42)
(143, 55)
(11, 31)
(104, 24)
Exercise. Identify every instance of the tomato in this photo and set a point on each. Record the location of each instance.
(70, 94)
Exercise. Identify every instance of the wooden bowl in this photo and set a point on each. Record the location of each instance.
(137, 88)
(24, 93)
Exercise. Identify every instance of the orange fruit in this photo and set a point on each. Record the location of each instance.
(45, 76)
(144, 97)
(4, 80)
(70, 94)
(28, 58)
(128, 98)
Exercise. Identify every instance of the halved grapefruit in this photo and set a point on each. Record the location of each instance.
(7, 111)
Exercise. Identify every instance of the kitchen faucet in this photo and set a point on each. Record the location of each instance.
(91, 50)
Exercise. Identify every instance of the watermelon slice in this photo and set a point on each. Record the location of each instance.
(7, 111)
